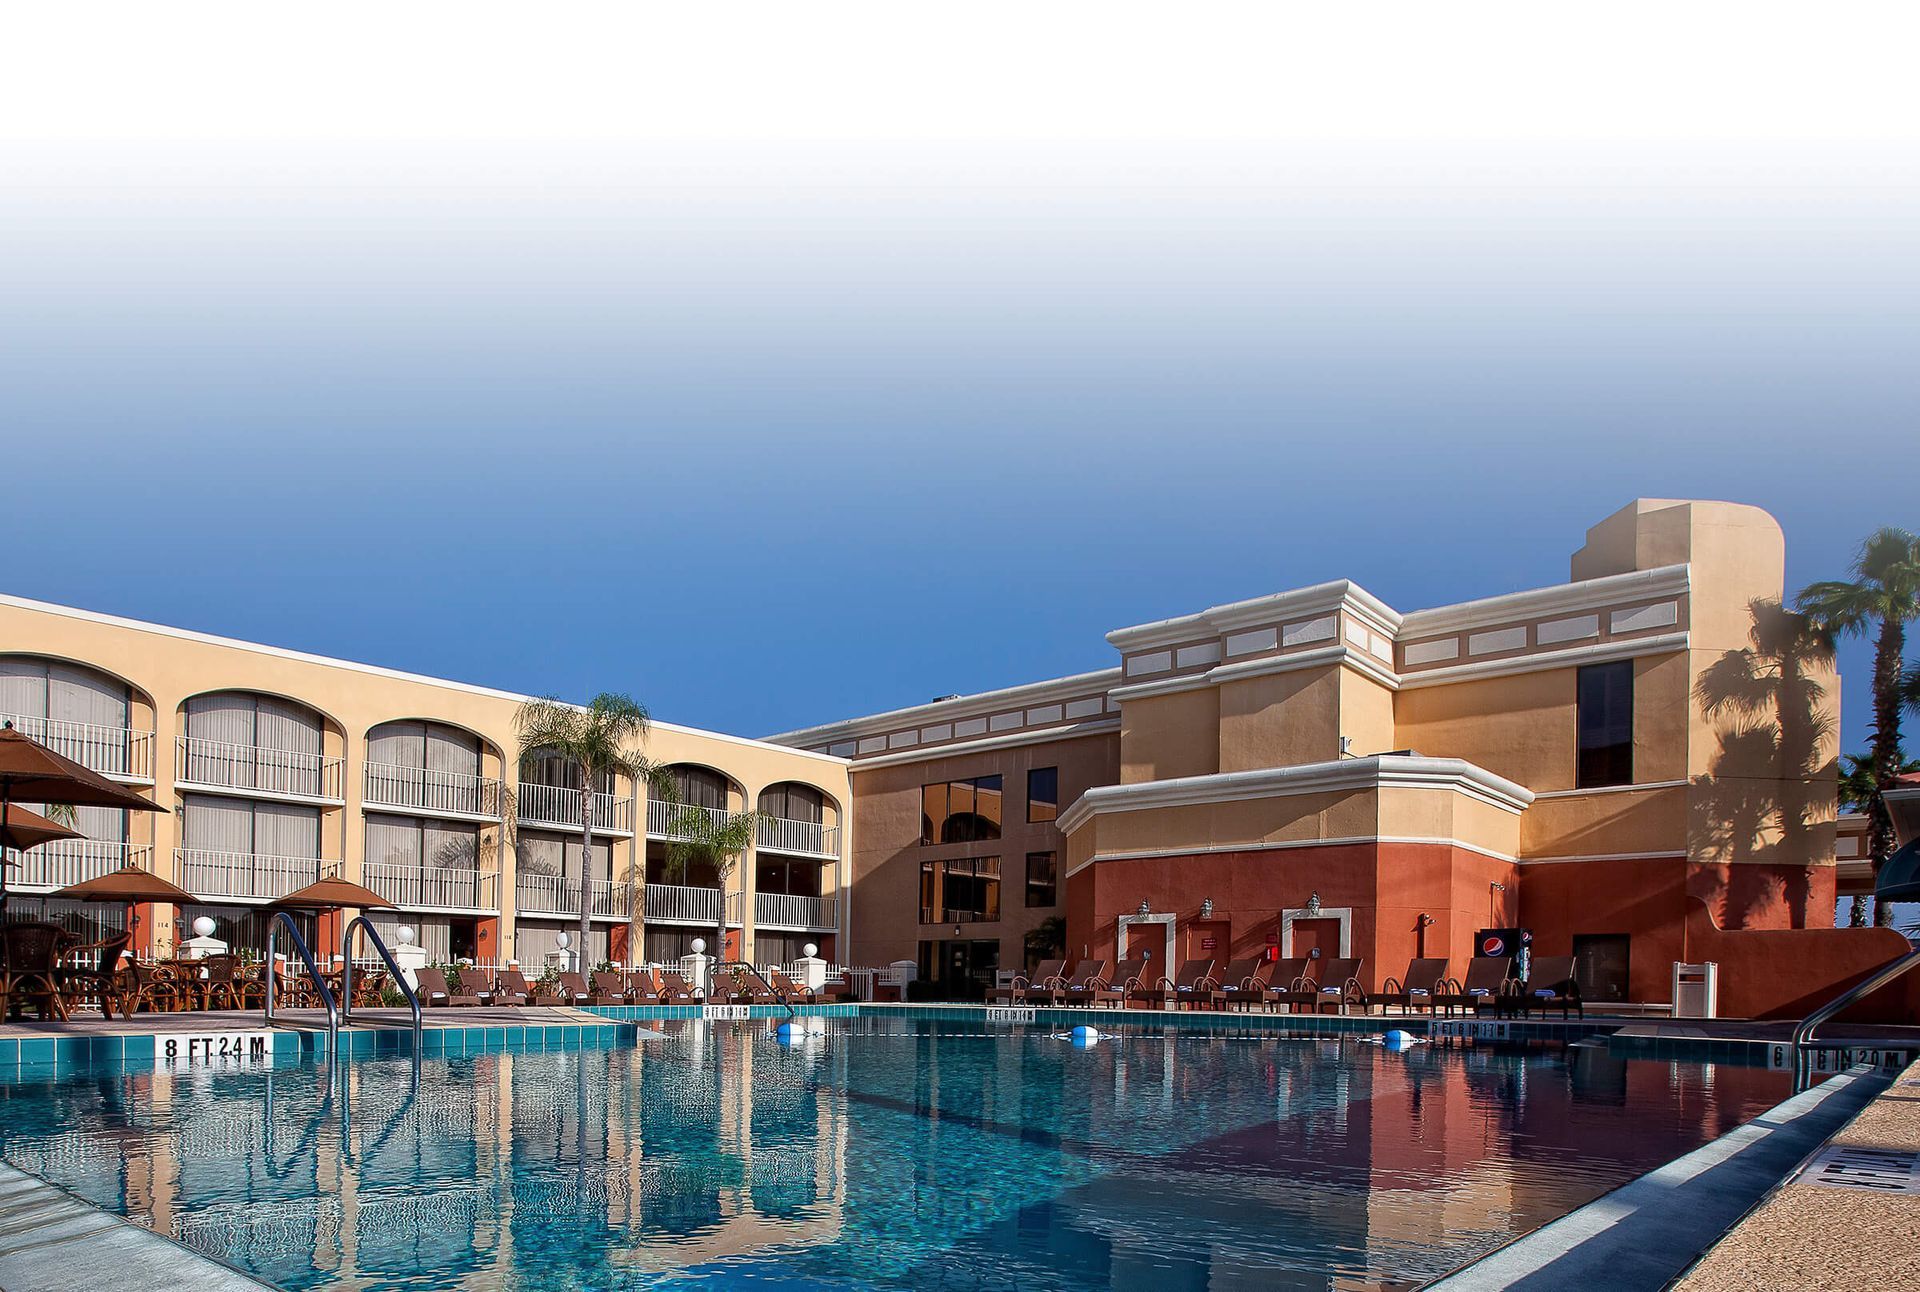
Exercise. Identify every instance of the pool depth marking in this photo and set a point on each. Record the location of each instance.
(189, 1049)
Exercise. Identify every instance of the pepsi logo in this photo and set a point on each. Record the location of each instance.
(1493, 945)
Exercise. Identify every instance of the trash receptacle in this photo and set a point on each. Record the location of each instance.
(1696, 990)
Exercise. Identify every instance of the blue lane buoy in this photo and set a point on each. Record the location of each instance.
(1084, 1036)
(790, 1032)
(1398, 1039)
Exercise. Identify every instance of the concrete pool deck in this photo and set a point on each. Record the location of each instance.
(1848, 1218)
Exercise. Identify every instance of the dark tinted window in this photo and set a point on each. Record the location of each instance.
(1605, 725)
(1042, 879)
(1043, 793)
(960, 811)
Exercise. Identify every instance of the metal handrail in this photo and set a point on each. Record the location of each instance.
(346, 973)
(1886, 973)
(741, 964)
(313, 971)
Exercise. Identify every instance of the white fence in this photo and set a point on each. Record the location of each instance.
(684, 904)
(669, 820)
(113, 751)
(257, 767)
(426, 790)
(536, 894)
(559, 806)
(212, 875)
(72, 861)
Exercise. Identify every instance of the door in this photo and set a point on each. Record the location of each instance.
(1316, 939)
(1208, 940)
(1600, 965)
(967, 968)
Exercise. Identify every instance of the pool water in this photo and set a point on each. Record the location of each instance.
(881, 1152)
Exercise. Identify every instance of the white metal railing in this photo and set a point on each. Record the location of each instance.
(257, 767)
(683, 904)
(664, 819)
(783, 835)
(794, 911)
(560, 895)
(559, 805)
(424, 789)
(73, 861)
(112, 751)
(207, 874)
(458, 887)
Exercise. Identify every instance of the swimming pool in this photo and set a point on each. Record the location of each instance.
(883, 1151)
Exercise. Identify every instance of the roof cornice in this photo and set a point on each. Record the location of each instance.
(1379, 771)
(1216, 620)
(1534, 603)
(977, 704)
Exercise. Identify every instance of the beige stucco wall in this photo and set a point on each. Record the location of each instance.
(1167, 736)
(166, 669)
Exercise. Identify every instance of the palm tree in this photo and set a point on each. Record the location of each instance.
(697, 837)
(599, 741)
(1885, 592)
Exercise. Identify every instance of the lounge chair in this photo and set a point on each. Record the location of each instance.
(789, 991)
(1193, 985)
(573, 989)
(80, 982)
(1486, 987)
(1291, 983)
(643, 986)
(1550, 984)
(1043, 973)
(747, 989)
(510, 988)
(1340, 987)
(1075, 988)
(610, 988)
(431, 986)
(1425, 981)
(676, 990)
(1230, 984)
(1114, 988)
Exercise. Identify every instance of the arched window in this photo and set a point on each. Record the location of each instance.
(247, 740)
(698, 786)
(76, 711)
(792, 801)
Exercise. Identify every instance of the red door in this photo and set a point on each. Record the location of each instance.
(1316, 935)
(1208, 940)
(1146, 941)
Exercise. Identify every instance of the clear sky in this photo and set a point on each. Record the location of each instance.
(781, 363)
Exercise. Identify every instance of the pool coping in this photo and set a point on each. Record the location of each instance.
(55, 1241)
(1648, 1232)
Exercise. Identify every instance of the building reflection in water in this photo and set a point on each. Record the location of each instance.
(921, 1155)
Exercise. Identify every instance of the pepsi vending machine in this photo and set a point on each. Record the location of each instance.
(1512, 944)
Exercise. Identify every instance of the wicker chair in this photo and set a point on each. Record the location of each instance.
(33, 965)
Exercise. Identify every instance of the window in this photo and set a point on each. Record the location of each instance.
(960, 811)
(1605, 725)
(1042, 879)
(960, 890)
(1043, 793)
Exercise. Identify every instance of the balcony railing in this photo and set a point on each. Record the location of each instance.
(537, 894)
(682, 904)
(72, 861)
(557, 805)
(809, 837)
(256, 767)
(435, 887)
(248, 875)
(421, 789)
(111, 751)
(665, 820)
(791, 911)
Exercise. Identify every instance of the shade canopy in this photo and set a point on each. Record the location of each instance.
(332, 894)
(26, 830)
(1899, 878)
(32, 772)
(127, 884)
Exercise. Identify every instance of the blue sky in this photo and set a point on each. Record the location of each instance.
(837, 382)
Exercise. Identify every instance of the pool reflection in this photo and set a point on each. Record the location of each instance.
(880, 1152)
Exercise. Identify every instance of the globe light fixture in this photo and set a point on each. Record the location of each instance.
(404, 935)
(203, 927)
(562, 941)
(810, 951)
(699, 946)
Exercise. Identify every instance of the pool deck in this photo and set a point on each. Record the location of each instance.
(1849, 1217)
(306, 1020)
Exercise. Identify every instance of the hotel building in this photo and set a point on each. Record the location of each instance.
(1614, 762)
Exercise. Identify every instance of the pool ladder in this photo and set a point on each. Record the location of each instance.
(740, 965)
(1803, 1040)
(338, 1012)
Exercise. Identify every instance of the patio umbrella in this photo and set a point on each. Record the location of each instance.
(332, 894)
(35, 774)
(129, 884)
(25, 830)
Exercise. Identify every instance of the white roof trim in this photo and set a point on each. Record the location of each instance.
(1215, 620)
(1627, 648)
(1266, 665)
(1381, 770)
(1071, 687)
(928, 753)
(371, 670)
(1560, 599)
